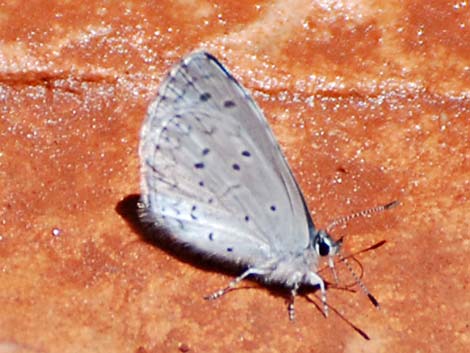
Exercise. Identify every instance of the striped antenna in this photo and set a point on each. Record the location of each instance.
(363, 213)
(359, 282)
(343, 259)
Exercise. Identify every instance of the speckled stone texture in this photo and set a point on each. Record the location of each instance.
(370, 102)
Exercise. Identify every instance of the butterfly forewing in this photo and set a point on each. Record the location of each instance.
(213, 174)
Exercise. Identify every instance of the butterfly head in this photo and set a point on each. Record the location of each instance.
(324, 245)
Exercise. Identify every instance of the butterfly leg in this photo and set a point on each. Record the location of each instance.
(316, 280)
(290, 307)
(331, 264)
(234, 283)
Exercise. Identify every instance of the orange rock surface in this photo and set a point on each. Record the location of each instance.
(370, 103)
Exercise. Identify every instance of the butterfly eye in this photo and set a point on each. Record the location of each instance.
(323, 248)
(324, 245)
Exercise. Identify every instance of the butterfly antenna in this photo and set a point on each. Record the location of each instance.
(363, 213)
(359, 282)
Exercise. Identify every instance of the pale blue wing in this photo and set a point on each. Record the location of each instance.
(212, 171)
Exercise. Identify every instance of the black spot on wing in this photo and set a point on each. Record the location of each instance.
(192, 212)
(229, 104)
(204, 97)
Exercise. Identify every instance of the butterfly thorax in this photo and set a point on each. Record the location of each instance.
(292, 268)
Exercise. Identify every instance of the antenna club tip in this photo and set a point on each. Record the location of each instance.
(391, 204)
(373, 300)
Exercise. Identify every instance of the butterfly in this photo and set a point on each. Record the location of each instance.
(214, 177)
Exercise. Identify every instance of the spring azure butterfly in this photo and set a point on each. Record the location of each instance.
(215, 178)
